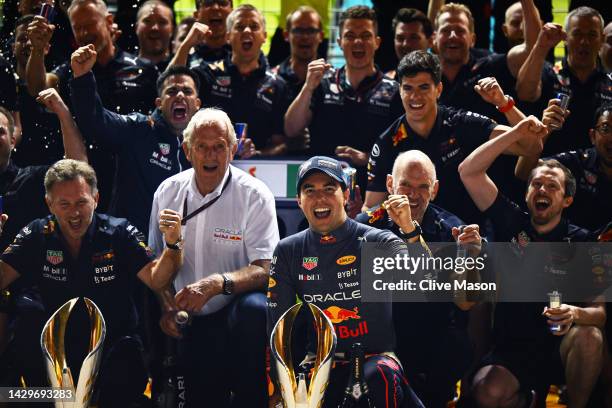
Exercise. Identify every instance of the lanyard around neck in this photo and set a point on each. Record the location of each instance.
(204, 206)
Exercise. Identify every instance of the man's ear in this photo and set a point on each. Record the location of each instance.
(567, 201)
(157, 102)
(96, 198)
(198, 103)
(592, 136)
(389, 183)
(109, 20)
(187, 152)
(377, 40)
(346, 194)
(286, 35)
(435, 188)
(439, 89)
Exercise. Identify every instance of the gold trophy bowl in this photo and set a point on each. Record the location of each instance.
(54, 353)
(293, 391)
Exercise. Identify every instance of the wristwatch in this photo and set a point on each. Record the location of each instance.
(228, 285)
(177, 246)
(415, 233)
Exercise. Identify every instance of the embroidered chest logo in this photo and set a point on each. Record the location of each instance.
(227, 235)
(55, 257)
(164, 148)
(310, 262)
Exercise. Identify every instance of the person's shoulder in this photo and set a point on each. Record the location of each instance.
(176, 181)
(130, 60)
(375, 217)
(274, 77)
(579, 234)
(396, 126)
(369, 233)
(390, 83)
(294, 240)
(444, 217)
(62, 71)
(110, 225)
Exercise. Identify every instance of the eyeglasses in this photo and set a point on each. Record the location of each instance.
(305, 32)
(604, 129)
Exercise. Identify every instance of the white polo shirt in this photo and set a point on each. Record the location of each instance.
(239, 228)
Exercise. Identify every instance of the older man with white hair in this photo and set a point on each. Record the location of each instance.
(224, 223)
(436, 358)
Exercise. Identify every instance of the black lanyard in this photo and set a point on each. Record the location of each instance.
(204, 206)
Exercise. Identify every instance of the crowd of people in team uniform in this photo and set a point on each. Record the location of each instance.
(456, 144)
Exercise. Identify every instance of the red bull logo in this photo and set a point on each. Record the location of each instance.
(337, 314)
(400, 135)
(327, 239)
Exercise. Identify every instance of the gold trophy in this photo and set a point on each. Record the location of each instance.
(294, 391)
(52, 344)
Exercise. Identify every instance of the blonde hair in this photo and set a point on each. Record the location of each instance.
(456, 8)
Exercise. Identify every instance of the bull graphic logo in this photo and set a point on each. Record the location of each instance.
(327, 239)
(338, 315)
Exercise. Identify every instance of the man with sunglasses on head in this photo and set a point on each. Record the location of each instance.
(223, 222)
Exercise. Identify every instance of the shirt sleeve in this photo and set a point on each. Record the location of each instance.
(474, 129)
(261, 232)
(156, 240)
(281, 287)
(21, 254)
(380, 162)
(8, 87)
(93, 119)
(136, 252)
(506, 217)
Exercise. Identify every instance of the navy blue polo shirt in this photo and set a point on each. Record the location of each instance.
(460, 93)
(585, 98)
(8, 86)
(258, 99)
(454, 136)
(520, 326)
(203, 54)
(126, 85)
(592, 207)
(147, 149)
(431, 317)
(342, 115)
(326, 271)
(41, 139)
(294, 84)
(23, 192)
(112, 253)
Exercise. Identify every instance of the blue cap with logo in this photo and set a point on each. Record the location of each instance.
(327, 165)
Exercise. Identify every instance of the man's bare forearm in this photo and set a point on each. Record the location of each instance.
(36, 74)
(529, 78)
(298, 115)
(181, 56)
